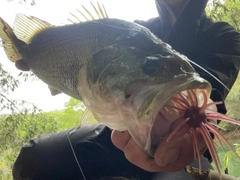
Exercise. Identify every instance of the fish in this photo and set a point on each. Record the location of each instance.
(127, 77)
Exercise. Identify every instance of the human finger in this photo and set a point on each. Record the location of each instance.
(178, 153)
(120, 138)
(133, 152)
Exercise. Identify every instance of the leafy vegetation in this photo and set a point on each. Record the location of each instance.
(21, 121)
(228, 160)
(228, 11)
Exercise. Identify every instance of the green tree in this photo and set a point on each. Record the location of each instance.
(74, 114)
(19, 122)
(228, 11)
(19, 114)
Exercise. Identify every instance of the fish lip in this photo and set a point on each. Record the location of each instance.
(179, 84)
(182, 82)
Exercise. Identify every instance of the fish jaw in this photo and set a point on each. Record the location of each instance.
(152, 120)
(139, 114)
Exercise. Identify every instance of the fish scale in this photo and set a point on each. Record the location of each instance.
(127, 77)
(98, 62)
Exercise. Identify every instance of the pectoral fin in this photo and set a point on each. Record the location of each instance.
(54, 91)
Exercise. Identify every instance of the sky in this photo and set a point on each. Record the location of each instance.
(57, 12)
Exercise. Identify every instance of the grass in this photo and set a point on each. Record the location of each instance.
(233, 163)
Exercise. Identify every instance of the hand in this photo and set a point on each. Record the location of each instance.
(21, 65)
(168, 157)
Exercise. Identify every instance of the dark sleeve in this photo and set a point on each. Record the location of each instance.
(217, 49)
(215, 46)
(50, 157)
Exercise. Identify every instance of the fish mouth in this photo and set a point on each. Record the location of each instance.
(155, 117)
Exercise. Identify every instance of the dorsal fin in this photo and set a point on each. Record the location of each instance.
(26, 27)
(86, 14)
(6, 34)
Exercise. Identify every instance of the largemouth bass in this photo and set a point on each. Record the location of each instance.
(127, 77)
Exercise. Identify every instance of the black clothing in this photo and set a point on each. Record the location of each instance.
(50, 157)
(214, 46)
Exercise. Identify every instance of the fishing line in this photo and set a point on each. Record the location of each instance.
(210, 74)
(74, 154)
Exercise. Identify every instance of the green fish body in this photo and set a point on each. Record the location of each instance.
(120, 70)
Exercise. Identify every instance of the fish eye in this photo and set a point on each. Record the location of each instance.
(150, 67)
